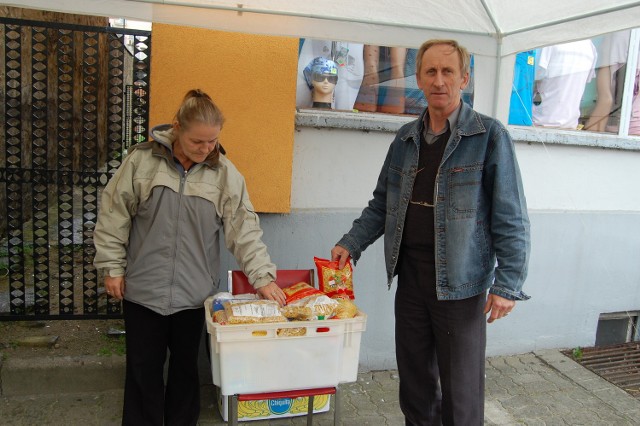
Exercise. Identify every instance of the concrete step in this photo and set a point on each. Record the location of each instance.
(47, 375)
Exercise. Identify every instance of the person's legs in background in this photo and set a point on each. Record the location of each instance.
(367, 99)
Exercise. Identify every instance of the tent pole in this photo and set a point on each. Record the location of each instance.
(629, 81)
(498, 64)
(496, 83)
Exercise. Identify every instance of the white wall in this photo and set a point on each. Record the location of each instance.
(584, 207)
(585, 212)
(337, 169)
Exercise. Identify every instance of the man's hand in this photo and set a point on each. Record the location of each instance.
(271, 291)
(498, 306)
(114, 287)
(340, 254)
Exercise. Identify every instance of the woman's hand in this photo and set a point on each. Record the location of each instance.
(114, 287)
(271, 291)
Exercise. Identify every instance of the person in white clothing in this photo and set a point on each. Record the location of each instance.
(562, 72)
(614, 51)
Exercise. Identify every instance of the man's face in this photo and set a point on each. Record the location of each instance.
(440, 78)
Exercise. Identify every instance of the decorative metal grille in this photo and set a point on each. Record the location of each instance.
(67, 123)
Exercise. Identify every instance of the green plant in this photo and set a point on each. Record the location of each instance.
(114, 346)
(104, 352)
(577, 353)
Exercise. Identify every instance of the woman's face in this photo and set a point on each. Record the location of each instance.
(324, 83)
(195, 142)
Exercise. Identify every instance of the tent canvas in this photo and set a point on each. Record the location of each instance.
(493, 30)
(486, 27)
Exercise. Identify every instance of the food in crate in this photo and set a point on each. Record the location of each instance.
(345, 309)
(306, 303)
(244, 309)
(303, 303)
(333, 281)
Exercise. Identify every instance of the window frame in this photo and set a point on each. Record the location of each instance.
(379, 122)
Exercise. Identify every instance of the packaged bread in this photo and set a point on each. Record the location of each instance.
(252, 311)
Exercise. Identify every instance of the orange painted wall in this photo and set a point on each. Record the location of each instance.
(252, 79)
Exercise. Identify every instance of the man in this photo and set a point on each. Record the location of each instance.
(450, 203)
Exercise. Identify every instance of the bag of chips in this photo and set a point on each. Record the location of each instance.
(334, 282)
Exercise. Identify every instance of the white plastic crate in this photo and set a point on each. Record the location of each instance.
(252, 358)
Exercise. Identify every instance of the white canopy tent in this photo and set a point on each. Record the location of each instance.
(493, 30)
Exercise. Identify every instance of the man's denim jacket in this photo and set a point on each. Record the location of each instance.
(482, 234)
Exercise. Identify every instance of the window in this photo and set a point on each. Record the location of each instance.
(617, 327)
(580, 85)
(359, 77)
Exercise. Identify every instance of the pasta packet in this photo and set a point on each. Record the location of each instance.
(291, 332)
(217, 308)
(217, 304)
(316, 307)
(335, 282)
(252, 311)
(346, 308)
(299, 291)
(305, 303)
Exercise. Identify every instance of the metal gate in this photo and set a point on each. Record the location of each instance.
(72, 100)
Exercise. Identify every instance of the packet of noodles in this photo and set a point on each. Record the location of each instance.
(300, 291)
(317, 307)
(334, 282)
(305, 302)
(252, 311)
(217, 308)
(345, 309)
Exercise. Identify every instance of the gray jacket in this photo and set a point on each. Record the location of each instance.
(160, 228)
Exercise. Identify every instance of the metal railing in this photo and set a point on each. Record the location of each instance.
(73, 98)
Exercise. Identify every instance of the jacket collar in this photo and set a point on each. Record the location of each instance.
(469, 123)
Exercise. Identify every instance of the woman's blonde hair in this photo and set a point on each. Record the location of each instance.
(197, 106)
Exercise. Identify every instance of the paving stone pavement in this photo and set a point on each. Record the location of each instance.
(538, 388)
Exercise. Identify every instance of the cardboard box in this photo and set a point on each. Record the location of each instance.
(273, 408)
(254, 358)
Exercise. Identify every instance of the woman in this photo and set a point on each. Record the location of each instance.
(157, 241)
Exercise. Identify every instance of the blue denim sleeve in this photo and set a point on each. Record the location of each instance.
(510, 227)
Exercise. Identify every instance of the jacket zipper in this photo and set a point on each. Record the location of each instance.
(183, 179)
